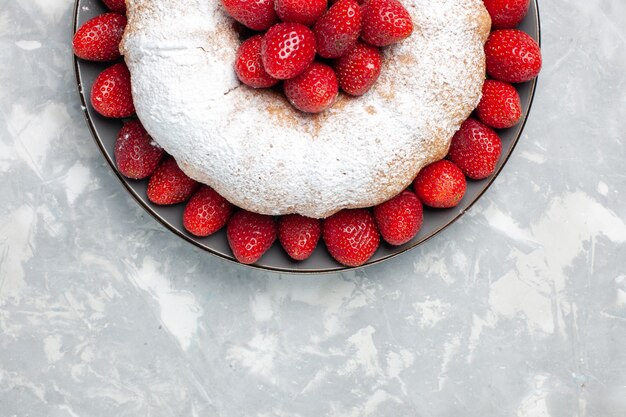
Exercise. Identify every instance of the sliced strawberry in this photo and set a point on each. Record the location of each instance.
(400, 218)
(250, 235)
(385, 22)
(512, 56)
(206, 212)
(257, 15)
(136, 154)
(358, 70)
(500, 106)
(99, 39)
(351, 236)
(337, 31)
(118, 6)
(249, 66)
(299, 235)
(507, 14)
(300, 11)
(314, 90)
(111, 92)
(441, 184)
(170, 185)
(287, 50)
(475, 149)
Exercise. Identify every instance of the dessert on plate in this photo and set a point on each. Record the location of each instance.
(324, 115)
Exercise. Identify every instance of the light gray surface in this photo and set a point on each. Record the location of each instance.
(519, 309)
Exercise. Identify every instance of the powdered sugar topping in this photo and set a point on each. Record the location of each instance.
(263, 155)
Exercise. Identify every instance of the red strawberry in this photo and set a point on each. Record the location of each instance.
(111, 94)
(169, 184)
(440, 184)
(351, 236)
(314, 90)
(359, 69)
(385, 22)
(258, 15)
(475, 149)
(300, 11)
(338, 29)
(500, 105)
(250, 235)
(299, 235)
(249, 66)
(118, 6)
(287, 50)
(512, 56)
(506, 14)
(136, 154)
(99, 39)
(400, 218)
(206, 212)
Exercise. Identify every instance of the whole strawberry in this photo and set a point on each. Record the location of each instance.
(169, 184)
(400, 218)
(118, 6)
(506, 14)
(257, 15)
(249, 66)
(337, 31)
(351, 236)
(206, 212)
(287, 50)
(250, 235)
(475, 149)
(441, 184)
(500, 106)
(99, 38)
(299, 235)
(314, 90)
(111, 93)
(385, 22)
(512, 56)
(136, 154)
(300, 11)
(358, 70)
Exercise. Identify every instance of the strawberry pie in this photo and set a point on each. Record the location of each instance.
(301, 121)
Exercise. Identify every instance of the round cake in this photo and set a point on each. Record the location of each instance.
(265, 156)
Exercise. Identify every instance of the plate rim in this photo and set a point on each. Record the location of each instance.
(339, 268)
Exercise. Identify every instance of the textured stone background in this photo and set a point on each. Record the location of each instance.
(519, 309)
